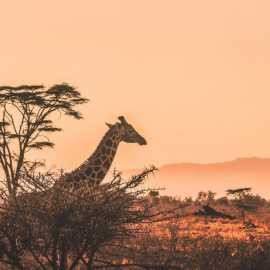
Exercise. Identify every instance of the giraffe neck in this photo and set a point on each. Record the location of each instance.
(95, 168)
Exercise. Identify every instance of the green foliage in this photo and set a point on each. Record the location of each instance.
(153, 193)
(242, 199)
(255, 200)
(223, 201)
(205, 197)
(238, 192)
(188, 200)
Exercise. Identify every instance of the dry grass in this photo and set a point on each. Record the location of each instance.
(212, 243)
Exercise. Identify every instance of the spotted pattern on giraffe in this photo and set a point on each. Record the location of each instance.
(109, 142)
(107, 164)
(101, 174)
(97, 165)
(83, 176)
(97, 162)
(88, 171)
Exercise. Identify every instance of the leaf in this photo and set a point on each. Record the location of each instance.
(238, 190)
(50, 129)
(79, 100)
(46, 122)
(21, 87)
(40, 145)
(64, 105)
(75, 114)
(248, 207)
(63, 89)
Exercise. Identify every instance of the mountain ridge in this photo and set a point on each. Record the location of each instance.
(188, 178)
(243, 161)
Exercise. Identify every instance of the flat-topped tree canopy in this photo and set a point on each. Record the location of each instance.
(25, 117)
(238, 190)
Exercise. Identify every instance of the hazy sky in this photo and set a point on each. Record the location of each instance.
(192, 76)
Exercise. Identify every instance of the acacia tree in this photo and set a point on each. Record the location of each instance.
(206, 198)
(239, 200)
(68, 226)
(25, 122)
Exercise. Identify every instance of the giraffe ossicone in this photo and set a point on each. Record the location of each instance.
(95, 168)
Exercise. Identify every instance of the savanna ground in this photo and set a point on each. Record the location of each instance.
(199, 241)
(48, 223)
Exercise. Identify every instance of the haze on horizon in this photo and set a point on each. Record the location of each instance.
(192, 76)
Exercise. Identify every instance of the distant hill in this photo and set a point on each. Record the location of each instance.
(187, 179)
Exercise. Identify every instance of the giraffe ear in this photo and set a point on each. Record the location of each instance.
(109, 125)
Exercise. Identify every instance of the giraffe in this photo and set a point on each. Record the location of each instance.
(95, 168)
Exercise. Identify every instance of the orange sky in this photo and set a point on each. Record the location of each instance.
(192, 76)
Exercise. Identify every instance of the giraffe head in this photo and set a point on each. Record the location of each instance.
(127, 132)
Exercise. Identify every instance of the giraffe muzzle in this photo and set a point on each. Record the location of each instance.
(142, 141)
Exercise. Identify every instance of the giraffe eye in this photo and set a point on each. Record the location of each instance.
(131, 132)
(130, 129)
